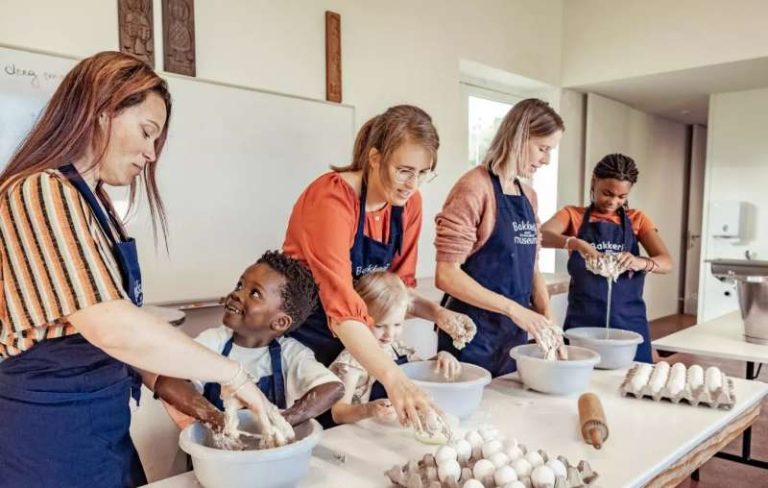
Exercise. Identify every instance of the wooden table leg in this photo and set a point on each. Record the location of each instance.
(685, 466)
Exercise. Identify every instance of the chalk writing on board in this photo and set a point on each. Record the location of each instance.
(30, 74)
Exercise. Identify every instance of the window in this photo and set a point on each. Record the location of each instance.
(485, 113)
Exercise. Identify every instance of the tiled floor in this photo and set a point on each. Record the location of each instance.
(718, 472)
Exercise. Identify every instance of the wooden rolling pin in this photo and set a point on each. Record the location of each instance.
(594, 428)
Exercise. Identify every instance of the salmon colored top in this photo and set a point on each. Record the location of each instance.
(572, 217)
(321, 232)
(468, 217)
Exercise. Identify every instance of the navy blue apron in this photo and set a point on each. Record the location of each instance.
(377, 389)
(64, 403)
(366, 255)
(273, 386)
(588, 292)
(505, 265)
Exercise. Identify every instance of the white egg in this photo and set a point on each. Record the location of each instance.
(473, 483)
(543, 477)
(445, 453)
(482, 469)
(489, 433)
(449, 469)
(474, 439)
(504, 475)
(492, 447)
(463, 450)
(522, 467)
(534, 458)
(499, 459)
(510, 443)
(557, 467)
(477, 453)
(515, 484)
(514, 453)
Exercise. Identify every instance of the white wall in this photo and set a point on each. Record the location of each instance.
(695, 218)
(610, 40)
(658, 146)
(737, 169)
(570, 180)
(393, 52)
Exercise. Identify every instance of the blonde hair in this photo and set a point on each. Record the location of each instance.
(530, 118)
(387, 132)
(382, 291)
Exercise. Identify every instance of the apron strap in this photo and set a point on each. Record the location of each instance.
(212, 391)
(396, 219)
(82, 187)
(278, 382)
(360, 231)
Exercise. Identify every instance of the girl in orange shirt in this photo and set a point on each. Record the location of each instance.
(366, 217)
(607, 225)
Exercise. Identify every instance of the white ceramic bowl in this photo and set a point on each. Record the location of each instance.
(459, 397)
(555, 377)
(616, 347)
(281, 467)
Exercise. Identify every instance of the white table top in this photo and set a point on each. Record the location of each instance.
(722, 337)
(646, 437)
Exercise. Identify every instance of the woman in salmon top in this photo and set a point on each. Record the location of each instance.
(367, 217)
(608, 225)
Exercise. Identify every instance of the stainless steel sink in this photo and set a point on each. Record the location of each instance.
(751, 278)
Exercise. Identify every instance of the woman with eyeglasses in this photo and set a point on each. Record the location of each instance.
(366, 217)
(488, 238)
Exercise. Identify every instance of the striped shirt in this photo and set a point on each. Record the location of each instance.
(54, 261)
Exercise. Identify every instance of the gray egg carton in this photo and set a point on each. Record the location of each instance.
(722, 397)
(423, 474)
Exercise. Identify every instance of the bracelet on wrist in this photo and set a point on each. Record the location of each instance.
(567, 240)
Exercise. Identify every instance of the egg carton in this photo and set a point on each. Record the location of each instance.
(678, 384)
(485, 461)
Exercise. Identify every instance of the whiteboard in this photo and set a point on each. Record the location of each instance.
(235, 161)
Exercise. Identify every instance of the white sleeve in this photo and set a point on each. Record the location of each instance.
(303, 372)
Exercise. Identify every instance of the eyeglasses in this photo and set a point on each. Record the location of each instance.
(404, 175)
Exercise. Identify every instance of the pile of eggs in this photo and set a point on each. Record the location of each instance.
(483, 459)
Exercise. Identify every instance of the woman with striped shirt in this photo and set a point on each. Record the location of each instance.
(71, 330)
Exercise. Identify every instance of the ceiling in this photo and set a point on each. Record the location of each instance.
(683, 95)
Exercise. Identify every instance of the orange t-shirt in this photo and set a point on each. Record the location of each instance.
(572, 217)
(321, 232)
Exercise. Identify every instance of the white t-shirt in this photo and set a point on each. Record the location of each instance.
(301, 370)
(346, 365)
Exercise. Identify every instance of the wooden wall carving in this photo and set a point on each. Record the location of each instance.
(332, 57)
(136, 29)
(179, 36)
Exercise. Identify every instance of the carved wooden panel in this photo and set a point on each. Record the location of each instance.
(332, 56)
(136, 29)
(179, 36)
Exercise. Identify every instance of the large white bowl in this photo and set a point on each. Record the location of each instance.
(555, 377)
(281, 467)
(616, 347)
(459, 397)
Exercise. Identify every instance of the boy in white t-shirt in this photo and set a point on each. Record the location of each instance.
(272, 297)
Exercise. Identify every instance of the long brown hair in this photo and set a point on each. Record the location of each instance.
(107, 82)
(386, 132)
(530, 118)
